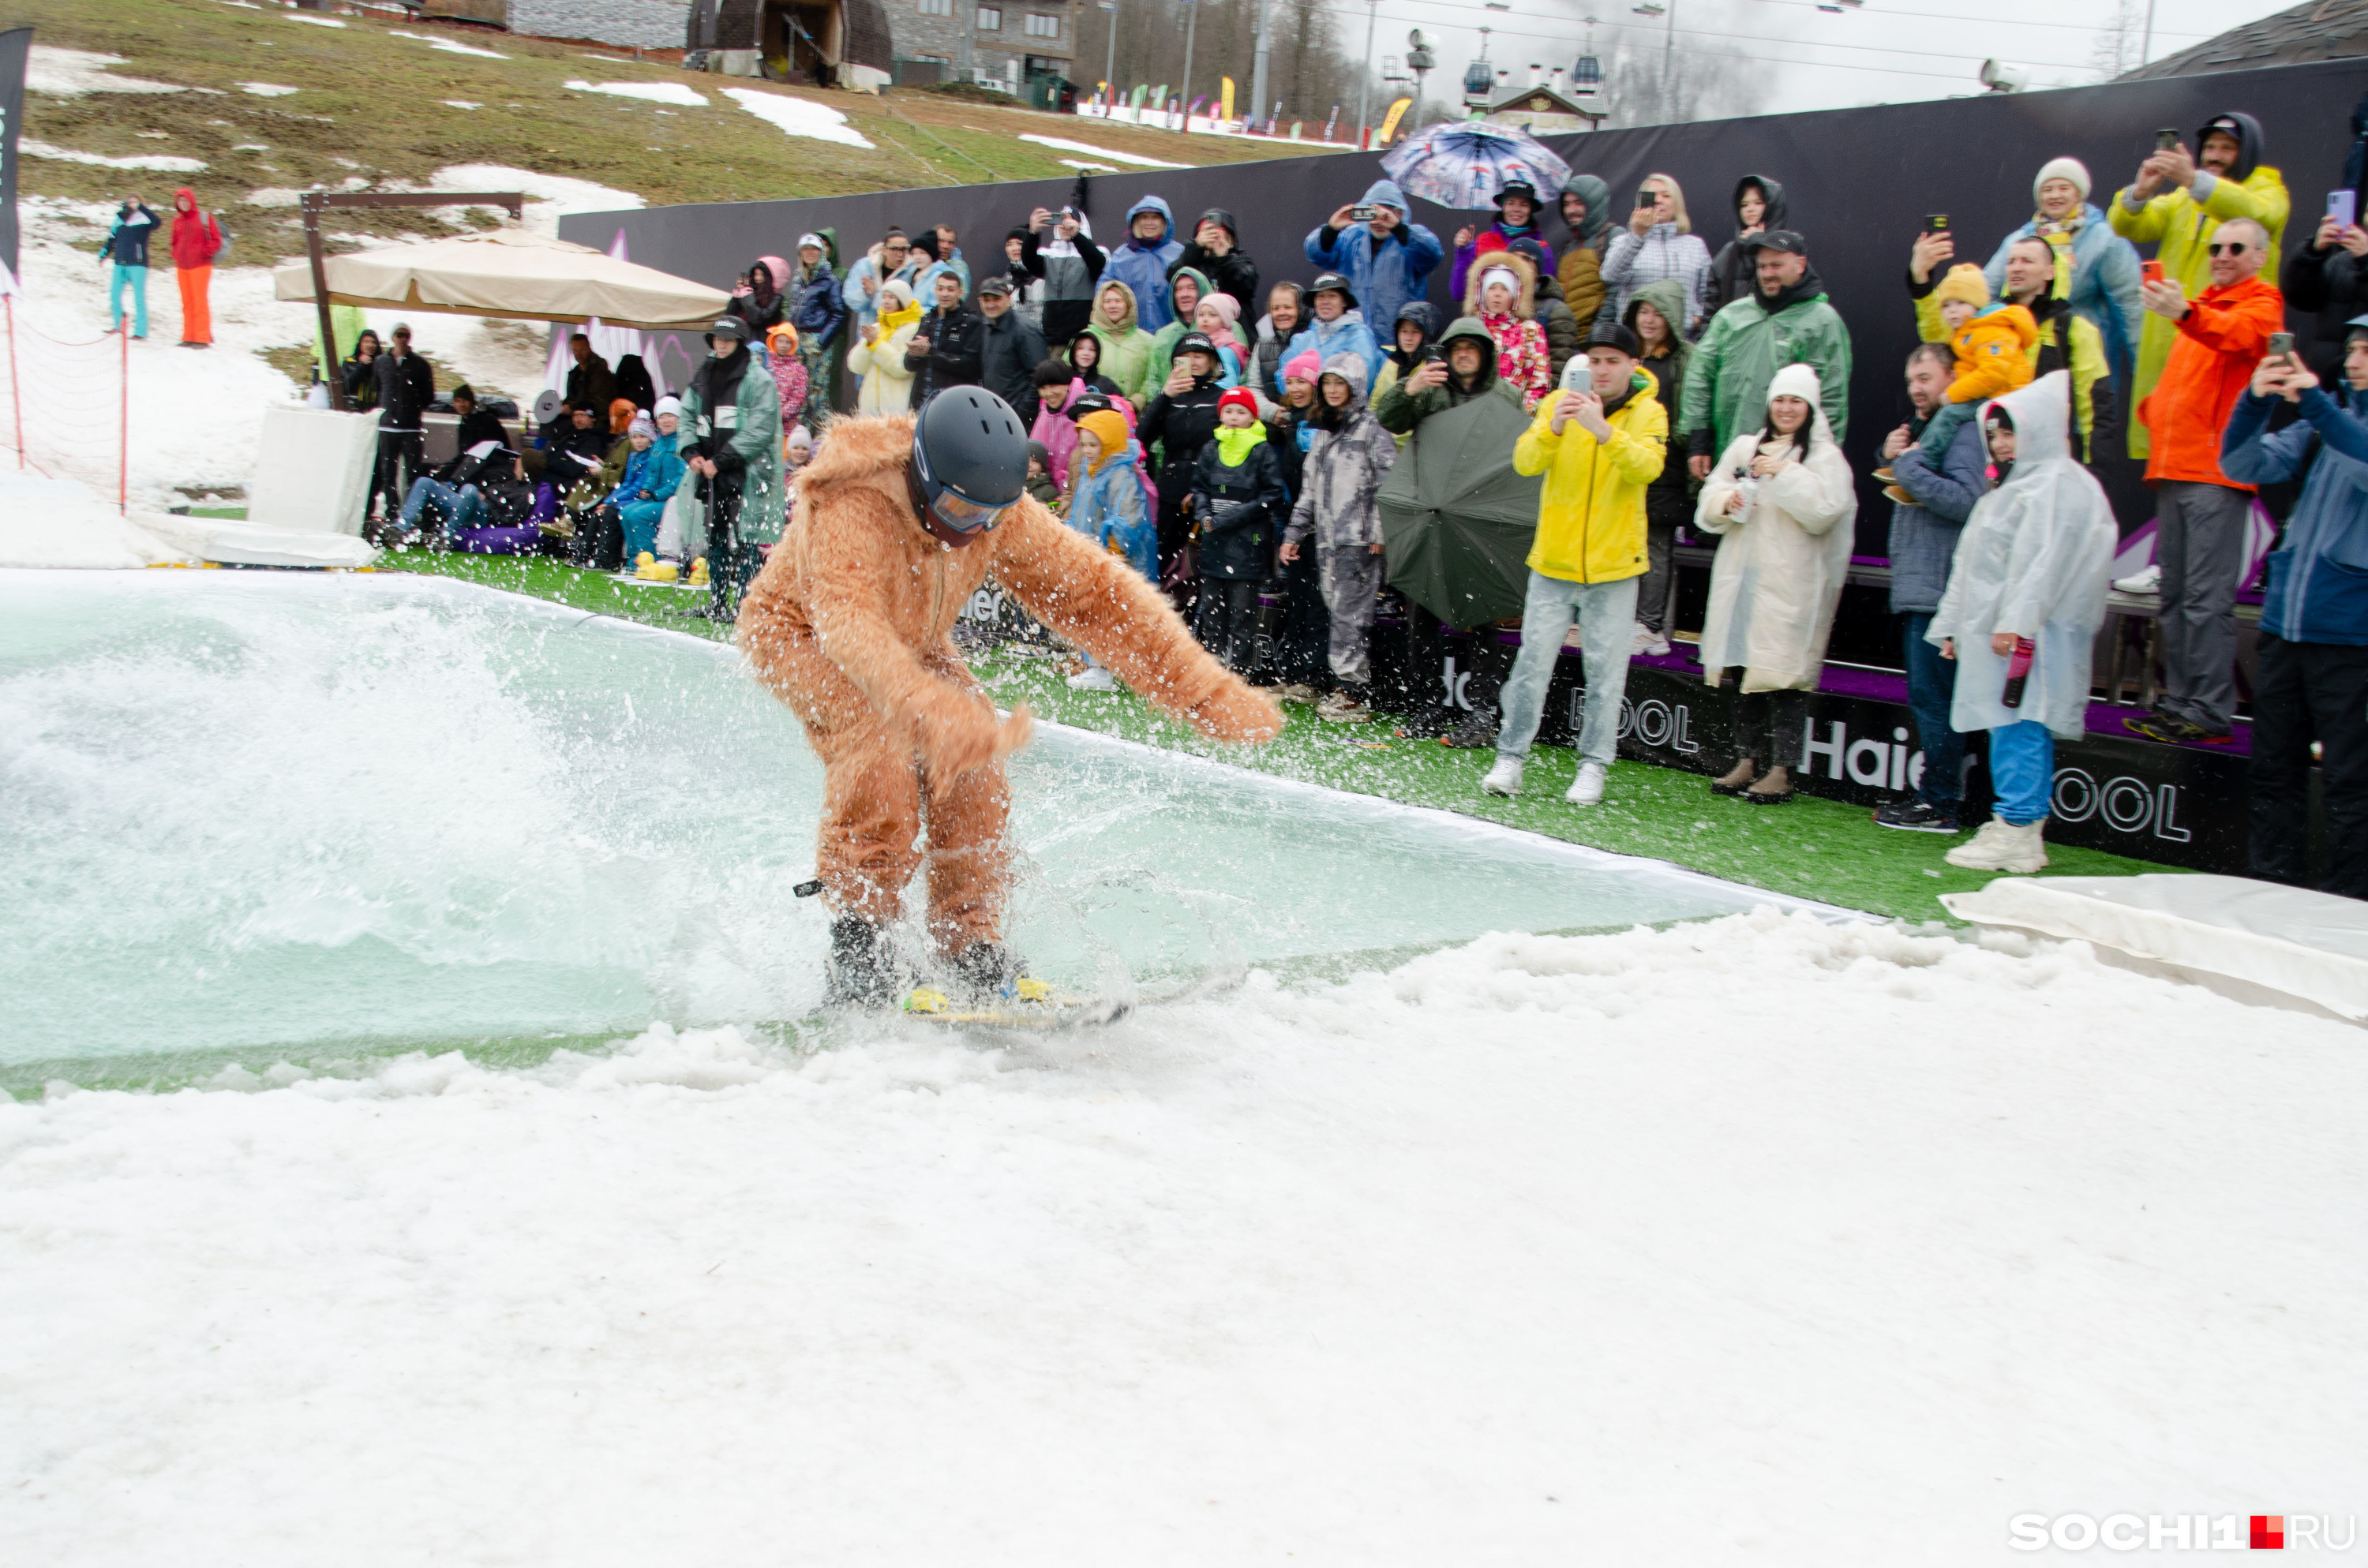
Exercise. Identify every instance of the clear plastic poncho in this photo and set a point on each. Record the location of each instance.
(2034, 559)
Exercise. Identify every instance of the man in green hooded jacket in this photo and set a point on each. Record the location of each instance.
(731, 438)
(1786, 321)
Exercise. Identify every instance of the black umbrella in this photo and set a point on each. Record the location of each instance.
(1456, 521)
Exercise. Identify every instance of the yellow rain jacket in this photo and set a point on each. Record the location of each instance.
(1591, 513)
(2183, 226)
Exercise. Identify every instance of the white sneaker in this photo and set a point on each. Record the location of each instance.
(2002, 846)
(1093, 677)
(1587, 789)
(1641, 639)
(1505, 779)
(2140, 584)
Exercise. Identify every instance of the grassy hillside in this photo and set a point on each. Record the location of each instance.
(371, 108)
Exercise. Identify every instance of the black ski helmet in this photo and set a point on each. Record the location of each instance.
(970, 464)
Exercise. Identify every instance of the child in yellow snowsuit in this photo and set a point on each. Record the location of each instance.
(1992, 343)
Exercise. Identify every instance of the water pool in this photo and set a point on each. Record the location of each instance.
(254, 811)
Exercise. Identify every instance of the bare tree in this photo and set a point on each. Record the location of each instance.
(2118, 41)
(1308, 70)
(1646, 83)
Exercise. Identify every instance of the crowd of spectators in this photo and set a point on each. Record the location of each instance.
(1230, 433)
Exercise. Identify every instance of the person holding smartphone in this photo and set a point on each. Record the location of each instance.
(2328, 276)
(1387, 259)
(2310, 678)
(1659, 243)
(2204, 514)
(2175, 202)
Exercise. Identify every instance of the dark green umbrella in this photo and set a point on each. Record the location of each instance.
(1457, 522)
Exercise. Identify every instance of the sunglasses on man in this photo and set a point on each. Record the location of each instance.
(2232, 247)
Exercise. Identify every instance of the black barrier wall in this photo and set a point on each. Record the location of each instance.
(1858, 181)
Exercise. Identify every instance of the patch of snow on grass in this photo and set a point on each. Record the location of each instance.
(449, 47)
(316, 21)
(461, 103)
(70, 73)
(268, 89)
(1082, 164)
(654, 91)
(1065, 146)
(798, 116)
(157, 163)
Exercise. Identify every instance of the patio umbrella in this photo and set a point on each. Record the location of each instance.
(1464, 164)
(508, 273)
(1456, 520)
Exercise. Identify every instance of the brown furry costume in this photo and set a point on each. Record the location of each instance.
(848, 623)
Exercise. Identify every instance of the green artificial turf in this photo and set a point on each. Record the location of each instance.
(1809, 847)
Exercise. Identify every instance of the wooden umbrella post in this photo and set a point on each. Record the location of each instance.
(313, 202)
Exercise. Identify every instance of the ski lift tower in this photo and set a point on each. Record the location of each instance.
(1419, 60)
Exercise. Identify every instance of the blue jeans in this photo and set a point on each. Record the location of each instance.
(1931, 686)
(1606, 614)
(137, 277)
(2023, 772)
(464, 508)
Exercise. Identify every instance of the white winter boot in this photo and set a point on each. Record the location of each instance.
(1587, 789)
(2002, 846)
(1505, 779)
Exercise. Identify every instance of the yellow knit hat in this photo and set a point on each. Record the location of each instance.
(1965, 282)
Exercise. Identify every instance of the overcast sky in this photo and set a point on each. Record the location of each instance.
(1878, 52)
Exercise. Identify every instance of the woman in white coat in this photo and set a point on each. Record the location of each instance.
(879, 356)
(1783, 501)
(2032, 566)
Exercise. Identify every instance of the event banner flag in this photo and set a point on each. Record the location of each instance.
(16, 44)
(1225, 98)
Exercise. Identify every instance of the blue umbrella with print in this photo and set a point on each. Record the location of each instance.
(1464, 164)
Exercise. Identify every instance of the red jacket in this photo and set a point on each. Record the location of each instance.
(196, 235)
(2221, 340)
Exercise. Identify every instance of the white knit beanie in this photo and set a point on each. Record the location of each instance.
(2072, 169)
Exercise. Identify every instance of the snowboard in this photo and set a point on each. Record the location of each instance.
(1029, 1005)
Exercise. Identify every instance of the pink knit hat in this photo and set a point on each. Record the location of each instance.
(1305, 368)
(1225, 305)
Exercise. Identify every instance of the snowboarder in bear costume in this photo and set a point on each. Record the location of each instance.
(899, 519)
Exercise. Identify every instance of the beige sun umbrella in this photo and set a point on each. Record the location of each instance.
(510, 273)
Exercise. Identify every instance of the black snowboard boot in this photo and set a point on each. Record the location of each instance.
(985, 970)
(863, 973)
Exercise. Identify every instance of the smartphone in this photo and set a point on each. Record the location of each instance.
(1647, 199)
(2281, 345)
(1936, 222)
(1365, 213)
(2343, 206)
(1432, 354)
(2151, 271)
(2165, 141)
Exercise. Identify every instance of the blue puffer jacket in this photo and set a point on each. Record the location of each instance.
(2318, 588)
(1387, 275)
(2104, 283)
(815, 309)
(1144, 268)
(658, 469)
(1347, 334)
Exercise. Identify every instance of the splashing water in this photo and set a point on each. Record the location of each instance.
(249, 811)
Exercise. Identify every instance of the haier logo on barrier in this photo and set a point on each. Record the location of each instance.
(2124, 804)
